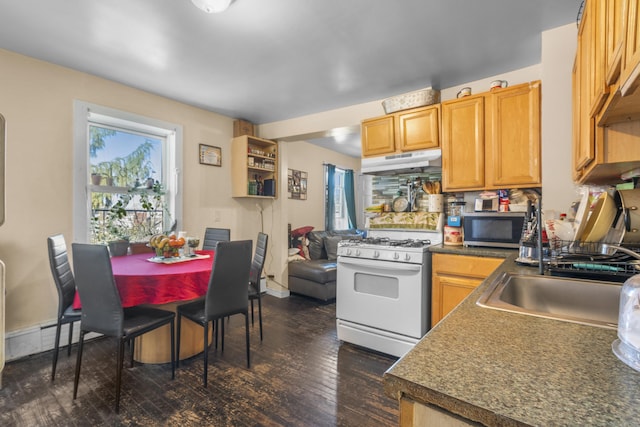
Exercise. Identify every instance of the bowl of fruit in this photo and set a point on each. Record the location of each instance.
(167, 246)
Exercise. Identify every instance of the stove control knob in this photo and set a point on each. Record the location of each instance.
(396, 255)
(357, 252)
(348, 252)
(407, 257)
(376, 254)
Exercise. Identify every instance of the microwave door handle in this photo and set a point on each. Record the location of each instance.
(389, 266)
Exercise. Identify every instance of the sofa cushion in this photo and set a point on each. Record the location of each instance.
(316, 245)
(331, 246)
(320, 271)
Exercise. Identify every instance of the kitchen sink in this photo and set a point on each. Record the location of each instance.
(587, 302)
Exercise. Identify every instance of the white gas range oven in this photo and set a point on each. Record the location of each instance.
(383, 290)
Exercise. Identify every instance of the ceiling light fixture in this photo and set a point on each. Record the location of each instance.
(212, 6)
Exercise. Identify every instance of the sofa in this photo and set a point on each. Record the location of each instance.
(315, 277)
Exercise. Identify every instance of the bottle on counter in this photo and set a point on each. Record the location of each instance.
(260, 186)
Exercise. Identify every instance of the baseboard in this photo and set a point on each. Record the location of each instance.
(278, 293)
(38, 339)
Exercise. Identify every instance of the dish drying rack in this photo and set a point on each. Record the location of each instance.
(592, 260)
(606, 261)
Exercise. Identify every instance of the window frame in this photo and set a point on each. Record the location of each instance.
(172, 159)
(339, 208)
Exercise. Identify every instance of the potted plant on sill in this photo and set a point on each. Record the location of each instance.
(123, 227)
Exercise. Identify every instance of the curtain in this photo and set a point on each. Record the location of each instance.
(350, 196)
(330, 206)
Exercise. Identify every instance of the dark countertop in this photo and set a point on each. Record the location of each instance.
(472, 251)
(501, 368)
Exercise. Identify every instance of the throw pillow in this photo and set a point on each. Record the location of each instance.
(294, 251)
(305, 247)
(331, 246)
(301, 231)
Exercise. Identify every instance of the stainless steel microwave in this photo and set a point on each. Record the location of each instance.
(493, 229)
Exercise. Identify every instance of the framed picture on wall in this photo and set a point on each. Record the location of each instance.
(297, 184)
(210, 155)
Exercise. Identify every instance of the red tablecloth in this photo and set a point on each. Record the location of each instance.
(140, 281)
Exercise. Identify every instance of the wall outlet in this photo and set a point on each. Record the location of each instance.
(216, 216)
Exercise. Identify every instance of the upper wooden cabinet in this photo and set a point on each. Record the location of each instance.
(254, 167)
(630, 74)
(408, 130)
(615, 26)
(492, 140)
(513, 155)
(418, 129)
(378, 136)
(463, 143)
(606, 98)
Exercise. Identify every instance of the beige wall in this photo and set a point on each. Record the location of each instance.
(37, 102)
(558, 52)
(36, 98)
(310, 158)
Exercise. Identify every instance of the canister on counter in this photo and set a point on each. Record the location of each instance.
(452, 236)
(435, 202)
(456, 207)
(454, 214)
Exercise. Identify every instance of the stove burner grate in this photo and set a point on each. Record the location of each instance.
(385, 241)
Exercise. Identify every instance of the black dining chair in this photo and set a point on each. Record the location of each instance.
(66, 287)
(226, 295)
(102, 310)
(214, 235)
(255, 274)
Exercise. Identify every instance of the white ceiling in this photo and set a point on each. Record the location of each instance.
(270, 60)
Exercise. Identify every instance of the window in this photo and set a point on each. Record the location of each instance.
(126, 182)
(339, 199)
(340, 219)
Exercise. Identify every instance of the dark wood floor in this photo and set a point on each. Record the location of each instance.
(300, 375)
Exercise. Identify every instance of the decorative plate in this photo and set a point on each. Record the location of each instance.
(400, 204)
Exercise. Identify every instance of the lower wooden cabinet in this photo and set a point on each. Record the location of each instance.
(415, 414)
(454, 277)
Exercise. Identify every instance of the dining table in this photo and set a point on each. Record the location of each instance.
(146, 280)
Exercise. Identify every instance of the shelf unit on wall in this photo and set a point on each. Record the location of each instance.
(251, 158)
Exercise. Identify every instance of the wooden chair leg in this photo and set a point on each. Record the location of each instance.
(78, 362)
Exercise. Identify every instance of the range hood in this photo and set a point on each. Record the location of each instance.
(410, 162)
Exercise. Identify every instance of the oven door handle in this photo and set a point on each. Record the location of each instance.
(388, 265)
